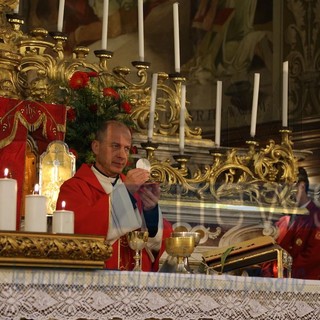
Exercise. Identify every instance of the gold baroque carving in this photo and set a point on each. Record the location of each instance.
(40, 249)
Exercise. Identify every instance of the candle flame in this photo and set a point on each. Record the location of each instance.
(36, 188)
(6, 172)
(63, 204)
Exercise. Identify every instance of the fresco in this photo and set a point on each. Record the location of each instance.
(227, 40)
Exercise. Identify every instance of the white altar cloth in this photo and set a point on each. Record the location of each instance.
(104, 294)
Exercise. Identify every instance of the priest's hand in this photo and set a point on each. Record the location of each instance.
(135, 179)
(149, 194)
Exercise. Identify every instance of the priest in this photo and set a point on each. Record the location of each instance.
(107, 202)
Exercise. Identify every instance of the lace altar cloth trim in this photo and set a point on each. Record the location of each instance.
(95, 294)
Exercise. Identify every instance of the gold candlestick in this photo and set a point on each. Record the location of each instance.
(141, 65)
(104, 56)
(217, 156)
(150, 147)
(252, 147)
(182, 160)
(60, 39)
(16, 21)
(81, 53)
(285, 132)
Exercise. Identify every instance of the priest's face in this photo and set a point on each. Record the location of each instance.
(112, 151)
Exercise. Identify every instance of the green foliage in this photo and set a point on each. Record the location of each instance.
(91, 104)
(224, 256)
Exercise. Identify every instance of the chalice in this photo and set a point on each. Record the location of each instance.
(180, 248)
(197, 238)
(137, 241)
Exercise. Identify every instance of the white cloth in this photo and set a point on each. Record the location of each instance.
(123, 217)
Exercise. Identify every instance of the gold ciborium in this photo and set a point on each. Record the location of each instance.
(197, 238)
(137, 241)
(180, 248)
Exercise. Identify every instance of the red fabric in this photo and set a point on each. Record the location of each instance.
(282, 225)
(44, 122)
(85, 196)
(302, 241)
(32, 115)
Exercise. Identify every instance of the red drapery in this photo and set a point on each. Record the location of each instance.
(44, 122)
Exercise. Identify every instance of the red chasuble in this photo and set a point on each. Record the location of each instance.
(85, 196)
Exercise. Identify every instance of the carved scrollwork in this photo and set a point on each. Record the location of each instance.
(51, 249)
(258, 177)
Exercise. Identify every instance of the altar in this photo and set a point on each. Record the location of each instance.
(105, 294)
(224, 193)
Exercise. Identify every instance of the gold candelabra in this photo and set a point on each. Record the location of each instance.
(34, 65)
(264, 176)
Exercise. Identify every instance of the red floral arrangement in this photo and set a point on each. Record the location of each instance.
(90, 103)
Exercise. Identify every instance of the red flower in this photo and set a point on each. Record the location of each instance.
(110, 92)
(126, 106)
(79, 80)
(71, 114)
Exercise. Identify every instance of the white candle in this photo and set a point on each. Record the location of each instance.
(152, 105)
(255, 104)
(141, 30)
(17, 8)
(176, 37)
(63, 220)
(178, 203)
(8, 203)
(35, 217)
(105, 25)
(60, 15)
(182, 119)
(218, 113)
(285, 88)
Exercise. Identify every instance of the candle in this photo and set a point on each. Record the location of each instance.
(255, 104)
(285, 87)
(35, 217)
(176, 36)
(105, 24)
(17, 8)
(141, 30)
(178, 204)
(60, 15)
(63, 220)
(8, 203)
(218, 113)
(182, 119)
(152, 105)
